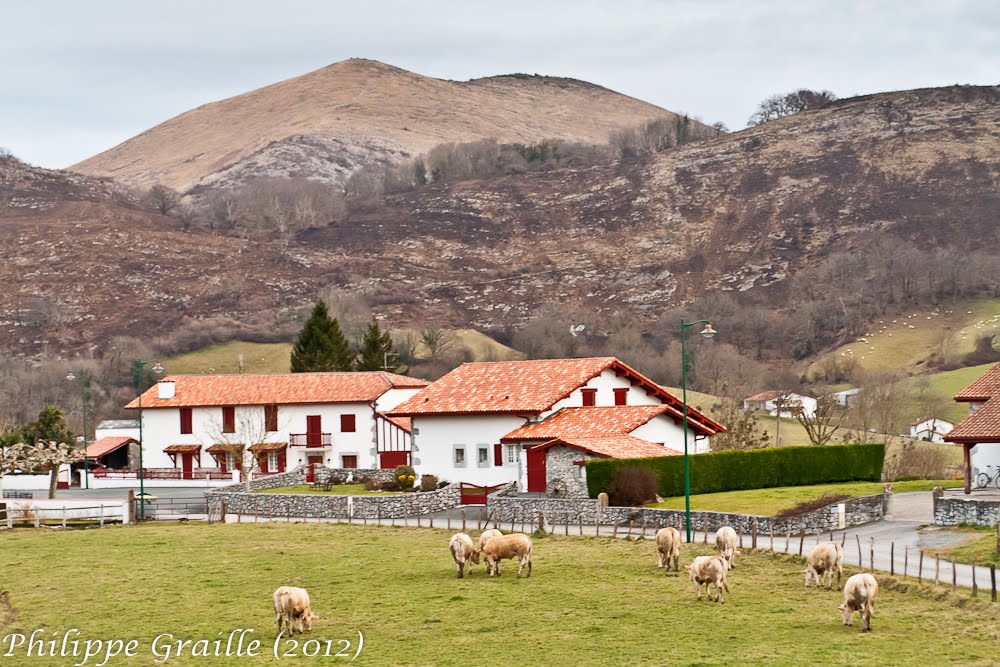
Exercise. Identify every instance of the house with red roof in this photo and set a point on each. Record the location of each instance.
(536, 422)
(787, 403)
(196, 427)
(979, 433)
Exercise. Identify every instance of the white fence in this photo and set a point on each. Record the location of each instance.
(62, 512)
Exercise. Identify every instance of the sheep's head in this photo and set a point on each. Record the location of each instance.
(845, 613)
(475, 557)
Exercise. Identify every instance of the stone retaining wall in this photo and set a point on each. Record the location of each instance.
(323, 474)
(953, 511)
(857, 511)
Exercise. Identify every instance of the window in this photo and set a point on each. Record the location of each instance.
(484, 456)
(621, 396)
(513, 453)
(459, 456)
(349, 461)
(270, 418)
(347, 424)
(186, 421)
(229, 419)
(230, 461)
(589, 397)
(272, 461)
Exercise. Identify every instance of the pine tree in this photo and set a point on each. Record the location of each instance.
(321, 345)
(376, 352)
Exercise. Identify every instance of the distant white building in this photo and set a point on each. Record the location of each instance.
(930, 429)
(846, 398)
(789, 403)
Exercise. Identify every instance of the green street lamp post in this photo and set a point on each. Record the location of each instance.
(707, 332)
(84, 379)
(137, 367)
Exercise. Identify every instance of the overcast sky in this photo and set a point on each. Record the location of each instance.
(79, 76)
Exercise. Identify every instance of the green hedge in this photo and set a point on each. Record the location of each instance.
(751, 469)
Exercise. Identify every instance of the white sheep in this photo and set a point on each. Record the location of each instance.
(859, 595)
(463, 550)
(726, 542)
(668, 547)
(821, 562)
(486, 535)
(292, 605)
(515, 545)
(710, 570)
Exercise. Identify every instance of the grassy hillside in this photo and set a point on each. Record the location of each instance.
(589, 601)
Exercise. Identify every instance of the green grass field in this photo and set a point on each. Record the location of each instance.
(589, 601)
(980, 546)
(768, 502)
(335, 490)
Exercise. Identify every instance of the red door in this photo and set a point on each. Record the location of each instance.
(310, 462)
(314, 431)
(393, 459)
(187, 466)
(536, 470)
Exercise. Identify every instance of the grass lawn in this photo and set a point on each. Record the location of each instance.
(981, 546)
(589, 601)
(768, 502)
(335, 490)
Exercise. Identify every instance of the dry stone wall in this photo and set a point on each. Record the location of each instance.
(953, 511)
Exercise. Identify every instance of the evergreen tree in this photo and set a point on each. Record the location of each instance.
(376, 352)
(321, 345)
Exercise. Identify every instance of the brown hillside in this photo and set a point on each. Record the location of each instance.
(330, 122)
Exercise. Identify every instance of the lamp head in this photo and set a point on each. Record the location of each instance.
(71, 376)
(708, 331)
(157, 368)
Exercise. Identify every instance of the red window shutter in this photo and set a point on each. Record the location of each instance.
(263, 463)
(271, 418)
(589, 397)
(621, 394)
(498, 455)
(281, 459)
(347, 424)
(229, 419)
(186, 420)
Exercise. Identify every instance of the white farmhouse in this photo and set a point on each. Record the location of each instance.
(534, 422)
(789, 403)
(979, 433)
(930, 429)
(197, 426)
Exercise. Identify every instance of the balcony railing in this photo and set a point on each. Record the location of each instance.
(310, 439)
(162, 473)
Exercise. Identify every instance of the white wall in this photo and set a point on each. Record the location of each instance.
(662, 429)
(392, 398)
(117, 432)
(435, 438)
(982, 455)
(605, 384)
(34, 482)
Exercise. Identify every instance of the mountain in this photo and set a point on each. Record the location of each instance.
(331, 122)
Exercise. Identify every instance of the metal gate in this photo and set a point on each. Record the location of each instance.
(476, 495)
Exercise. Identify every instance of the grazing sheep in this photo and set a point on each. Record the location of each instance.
(292, 604)
(709, 570)
(822, 560)
(462, 550)
(668, 546)
(515, 545)
(487, 534)
(726, 542)
(859, 595)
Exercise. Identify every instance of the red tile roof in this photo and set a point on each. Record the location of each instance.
(613, 447)
(599, 421)
(405, 423)
(182, 449)
(107, 445)
(983, 425)
(285, 389)
(525, 387)
(765, 395)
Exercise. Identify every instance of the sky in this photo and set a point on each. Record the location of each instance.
(79, 77)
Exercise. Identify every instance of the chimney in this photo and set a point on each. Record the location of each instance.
(165, 389)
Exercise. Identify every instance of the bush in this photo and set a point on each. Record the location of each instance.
(428, 483)
(632, 486)
(405, 475)
(753, 469)
(383, 485)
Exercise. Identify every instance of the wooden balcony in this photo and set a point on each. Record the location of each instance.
(310, 439)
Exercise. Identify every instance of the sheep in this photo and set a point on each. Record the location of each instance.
(515, 545)
(726, 542)
(462, 550)
(710, 570)
(668, 547)
(859, 595)
(292, 604)
(487, 534)
(821, 561)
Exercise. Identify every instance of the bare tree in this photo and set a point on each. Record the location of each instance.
(438, 342)
(779, 106)
(821, 426)
(245, 441)
(162, 198)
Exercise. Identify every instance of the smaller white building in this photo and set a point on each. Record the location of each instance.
(846, 398)
(783, 404)
(930, 429)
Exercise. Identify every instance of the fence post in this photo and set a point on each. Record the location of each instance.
(256, 510)
(861, 563)
(920, 567)
(101, 515)
(871, 554)
(906, 558)
(937, 569)
(64, 517)
(579, 518)
(802, 540)
(753, 535)
(614, 531)
(704, 528)
(975, 589)
(892, 559)
(597, 525)
(770, 529)
(430, 519)
(513, 517)
(449, 520)
(479, 524)
(566, 521)
(993, 583)
(954, 575)
(788, 538)
(418, 519)
(463, 520)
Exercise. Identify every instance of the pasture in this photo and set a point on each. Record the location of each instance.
(589, 601)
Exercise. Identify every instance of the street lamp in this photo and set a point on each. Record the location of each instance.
(137, 367)
(84, 379)
(707, 332)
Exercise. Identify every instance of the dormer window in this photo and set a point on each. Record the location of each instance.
(621, 396)
(589, 397)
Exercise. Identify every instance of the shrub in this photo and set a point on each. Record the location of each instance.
(632, 486)
(428, 483)
(383, 485)
(814, 504)
(405, 475)
(753, 469)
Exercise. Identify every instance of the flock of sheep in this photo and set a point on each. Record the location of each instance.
(292, 605)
